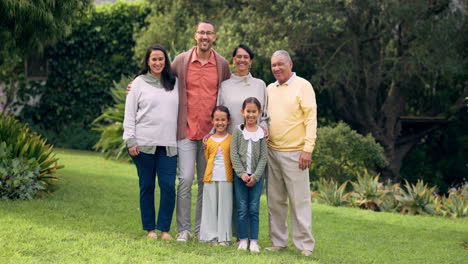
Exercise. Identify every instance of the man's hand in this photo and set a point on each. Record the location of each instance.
(134, 150)
(129, 87)
(304, 160)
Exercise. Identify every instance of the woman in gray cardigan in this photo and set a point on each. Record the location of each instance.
(150, 129)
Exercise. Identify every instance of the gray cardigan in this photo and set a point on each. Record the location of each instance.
(239, 155)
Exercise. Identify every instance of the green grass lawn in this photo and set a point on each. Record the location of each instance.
(93, 217)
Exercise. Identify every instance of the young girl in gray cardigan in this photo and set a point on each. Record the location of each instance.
(249, 158)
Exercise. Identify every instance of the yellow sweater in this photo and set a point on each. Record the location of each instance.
(210, 152)
(293, 115)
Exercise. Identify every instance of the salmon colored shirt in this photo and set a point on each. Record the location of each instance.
(202, 91)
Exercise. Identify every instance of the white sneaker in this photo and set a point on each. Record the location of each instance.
(242, 245)
(254, 248)
(183, 236)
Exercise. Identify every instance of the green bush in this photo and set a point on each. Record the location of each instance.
(74, 136)
(331, 193)
(82, 68)
(109, 124)
(26, 145)
(418, 199)
(18, 177)
(342, 153)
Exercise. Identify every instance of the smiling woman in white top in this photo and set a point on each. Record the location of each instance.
(150, 127)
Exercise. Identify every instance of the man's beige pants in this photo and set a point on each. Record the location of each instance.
(287, 181)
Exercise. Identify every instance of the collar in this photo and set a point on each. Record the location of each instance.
(194, 58)
(244, 79)
(151, 80)
(254, 136)
(289, 81)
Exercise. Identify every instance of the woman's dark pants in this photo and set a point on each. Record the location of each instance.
(148, 166)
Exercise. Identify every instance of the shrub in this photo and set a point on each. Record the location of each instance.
(328, 192)
(455, 204)
(109, 124)
(418, 199)
(342, 153)
(368, 191)
(18, 177)
(26, 145)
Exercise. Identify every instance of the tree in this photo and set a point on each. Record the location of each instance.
(28, 26)
(374, 61)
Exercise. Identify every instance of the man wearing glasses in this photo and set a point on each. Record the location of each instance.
(200, 72)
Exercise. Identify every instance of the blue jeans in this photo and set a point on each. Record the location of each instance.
(248, 207)
(148, 166)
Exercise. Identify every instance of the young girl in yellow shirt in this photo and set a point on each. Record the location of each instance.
(217, 204)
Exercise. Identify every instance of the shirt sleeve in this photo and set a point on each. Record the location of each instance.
(259, 171)
(265, 118)
(235, 157)
(309, 108)
(131, 108)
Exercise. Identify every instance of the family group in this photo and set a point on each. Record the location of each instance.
(194, 115)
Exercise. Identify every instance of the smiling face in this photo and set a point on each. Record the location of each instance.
(281, 67)
(242, 62)
(251, 113)
(205, 36)
(220, 122)
(156, 62)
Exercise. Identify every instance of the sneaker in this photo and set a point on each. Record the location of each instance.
(254, 248)
(242, 245)
(306, 252)
(224, 243)
(183, 236)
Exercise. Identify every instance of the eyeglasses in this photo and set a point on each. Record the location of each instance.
(208, 33)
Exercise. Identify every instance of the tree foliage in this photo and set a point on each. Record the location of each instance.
(83, 67)
(372, 61)
(28, 26)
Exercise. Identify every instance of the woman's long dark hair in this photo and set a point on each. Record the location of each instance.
(167, 75)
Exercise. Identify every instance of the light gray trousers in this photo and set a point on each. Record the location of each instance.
(189, 152)
(216, 219)
(287, 182)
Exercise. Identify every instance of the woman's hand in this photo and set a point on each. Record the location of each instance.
(205, 138)
(266, 132)
(134, 151)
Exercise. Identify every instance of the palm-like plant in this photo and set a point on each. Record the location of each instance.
(389, 201)
(109, 124)
(28, 145)
(456, 203)
(329, 192)
(418, 199)
(368, 191)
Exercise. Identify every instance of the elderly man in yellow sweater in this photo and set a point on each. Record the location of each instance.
(293, 125)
